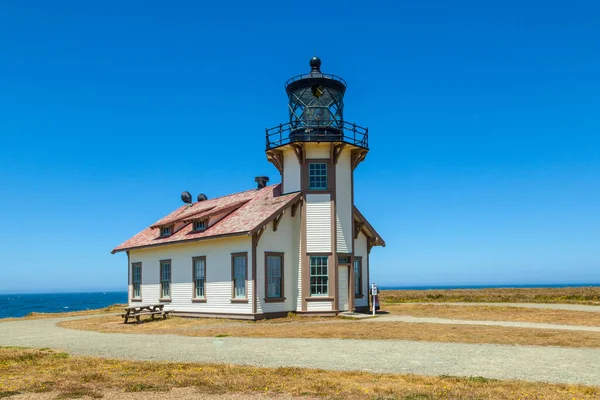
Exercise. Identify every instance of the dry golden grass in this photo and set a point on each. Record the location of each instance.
(34, 315)
(575, 295)
(43, 371)
(496, 313)
(338, 328)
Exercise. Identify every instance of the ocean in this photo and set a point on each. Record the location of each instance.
(19, 305)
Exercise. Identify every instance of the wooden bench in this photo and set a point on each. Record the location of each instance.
(137, 311)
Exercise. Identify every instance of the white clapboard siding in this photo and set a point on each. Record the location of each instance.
(342, 245)
(318, 223)
(319, 306)
(317, 150)
(360, 250)
(299, 277)
(284, 240)
(343, 202)
(218, 275)
(291, 172)
(343, 288)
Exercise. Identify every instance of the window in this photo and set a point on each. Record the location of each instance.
(317, 176)
(165, 279)
(199, 273)
(274, 276)
(343, 259)
(136, 279)
(165, 231)
(357, 276)
(238, 274)
(199, 225)
(318, 276)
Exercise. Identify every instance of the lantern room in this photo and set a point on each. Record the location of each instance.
(316, 112)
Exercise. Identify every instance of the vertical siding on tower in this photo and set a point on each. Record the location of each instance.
(318, 223)
(343, 205)
(291, 172)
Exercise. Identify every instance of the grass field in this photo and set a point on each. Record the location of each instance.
(315, 327)
(496, 313)
(571, 295)
(64, 376)
(300, 327)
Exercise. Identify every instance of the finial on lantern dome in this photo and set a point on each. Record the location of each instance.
(315, 64)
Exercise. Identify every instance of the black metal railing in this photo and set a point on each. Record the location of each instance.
(315, 75)
(317, 131)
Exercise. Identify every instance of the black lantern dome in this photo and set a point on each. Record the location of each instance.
(316, 111)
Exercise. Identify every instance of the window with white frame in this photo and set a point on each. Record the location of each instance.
(317, 176)
(274, 275)
(165, 231)
(319, 279)
(200, 225)
(239, 273)
(199, 277)
(357, 277)
(165, 279)
(137, 280)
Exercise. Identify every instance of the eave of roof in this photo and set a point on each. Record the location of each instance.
(376, 236)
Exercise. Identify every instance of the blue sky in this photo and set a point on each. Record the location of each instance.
(483, 118)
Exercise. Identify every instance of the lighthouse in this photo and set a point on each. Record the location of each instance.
(298, 246)
(316, 152)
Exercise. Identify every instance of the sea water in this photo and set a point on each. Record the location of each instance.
(19, 305)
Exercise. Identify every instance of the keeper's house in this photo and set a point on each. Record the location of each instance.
(299, 246)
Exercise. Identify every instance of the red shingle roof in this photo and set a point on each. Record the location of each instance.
(247, 210)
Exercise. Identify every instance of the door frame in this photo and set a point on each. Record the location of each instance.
(343, 265)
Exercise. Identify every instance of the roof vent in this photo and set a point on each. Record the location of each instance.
(202, 197)
(186, 197)
(262, 181)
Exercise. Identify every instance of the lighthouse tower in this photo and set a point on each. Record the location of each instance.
(316, 152)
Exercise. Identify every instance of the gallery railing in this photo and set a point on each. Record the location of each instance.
(317, 131)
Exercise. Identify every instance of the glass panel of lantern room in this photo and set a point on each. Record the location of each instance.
(316, 106)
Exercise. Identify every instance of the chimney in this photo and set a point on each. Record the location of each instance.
(262, 181)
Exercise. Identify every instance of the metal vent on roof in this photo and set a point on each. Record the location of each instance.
(186, 197)
(262, 181)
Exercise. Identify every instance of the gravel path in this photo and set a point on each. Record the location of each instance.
(549, 364)
(511, 324)
(568, 307)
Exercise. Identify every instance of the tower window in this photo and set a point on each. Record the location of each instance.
(317, 176)
(319, 285)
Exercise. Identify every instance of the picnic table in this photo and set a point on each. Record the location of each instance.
(137, 311)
